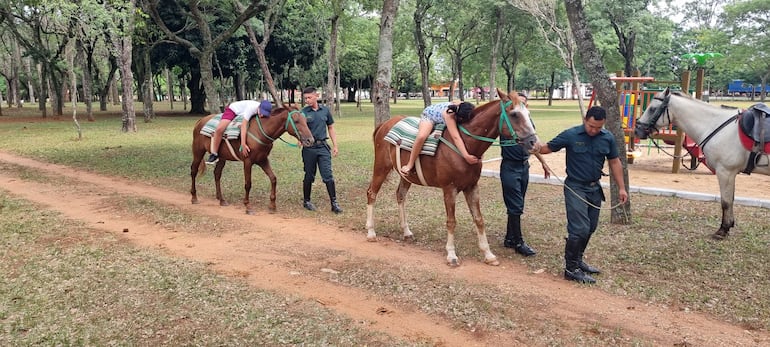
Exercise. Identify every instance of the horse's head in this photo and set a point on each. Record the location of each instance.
(296, 125)
(652, 119)
(515, 121)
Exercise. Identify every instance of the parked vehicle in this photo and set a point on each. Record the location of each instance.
(742, 88)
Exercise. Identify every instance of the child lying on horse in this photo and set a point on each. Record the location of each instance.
(245, 109)
(450, 113)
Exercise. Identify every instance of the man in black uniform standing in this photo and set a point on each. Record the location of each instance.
(514, 177)
(318, 156)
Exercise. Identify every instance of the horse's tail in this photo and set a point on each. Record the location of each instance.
(201, 169)
(376, 129)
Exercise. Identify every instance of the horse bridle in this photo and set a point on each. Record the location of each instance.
(664, 107)
(504, 121)
(649, 127)
(289, 122)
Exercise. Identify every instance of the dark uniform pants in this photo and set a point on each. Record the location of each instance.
(320, 157)
(514, 177)
(582, 219)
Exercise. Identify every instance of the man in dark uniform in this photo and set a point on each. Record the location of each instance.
(514, 177)
(587, 147)
(319, 155)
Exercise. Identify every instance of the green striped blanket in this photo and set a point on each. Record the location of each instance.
(232, 132)
(403, 133)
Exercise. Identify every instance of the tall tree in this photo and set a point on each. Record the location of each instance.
(332, 100)
(121, 38)
(43, 33)
(606, 94)
(423, 28)
(623, 17)
(381, 90)
(201, 13)
(271, 17)
(554, 28)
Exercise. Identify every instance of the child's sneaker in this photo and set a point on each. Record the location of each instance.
(213, 159)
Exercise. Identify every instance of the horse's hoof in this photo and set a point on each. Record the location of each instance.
(409, 238)
(195, 202)
(453, 262)
(719, 235)
(371, 238)
(224, 203)
(493, 262)
(272, 210)
(250, 212)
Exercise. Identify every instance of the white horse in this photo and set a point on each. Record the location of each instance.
(715, 130)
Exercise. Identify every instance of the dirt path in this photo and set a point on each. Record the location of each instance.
(261, 250)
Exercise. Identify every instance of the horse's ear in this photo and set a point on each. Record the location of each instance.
(501, 94)
(667, 91)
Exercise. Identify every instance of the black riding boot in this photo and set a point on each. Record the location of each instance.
(572, 269)
(332, 190)
(307, 187)
(583, 266)
(513, 238)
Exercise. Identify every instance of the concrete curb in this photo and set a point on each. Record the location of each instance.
(533, 178)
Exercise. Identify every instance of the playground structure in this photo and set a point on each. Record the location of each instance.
(633, 100)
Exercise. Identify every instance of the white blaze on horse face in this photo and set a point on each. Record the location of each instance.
(523, 125)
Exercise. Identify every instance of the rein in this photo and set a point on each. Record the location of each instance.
(289, 122)
(574, 192)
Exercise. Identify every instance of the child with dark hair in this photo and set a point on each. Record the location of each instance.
(449, 113)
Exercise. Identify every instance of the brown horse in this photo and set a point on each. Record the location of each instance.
(261, 134)
(448, 170)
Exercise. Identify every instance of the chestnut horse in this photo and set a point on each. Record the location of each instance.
(448, 170)
(261, 134)
(715, 130)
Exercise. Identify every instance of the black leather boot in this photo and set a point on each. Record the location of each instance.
(332, 190)
(307, 187)
(572, 269)
(583, 266)
(513, 238)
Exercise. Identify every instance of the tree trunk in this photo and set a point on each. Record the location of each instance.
(423, 53)
(331, 69)
(105, 89)
(30, 84)
(183, 92)
(42, 72)
(207, 79)
(87, 67)
(170, 87)
(124, 47)
(13, 83)
(197, 95)
(495, 48)
(381, 91)
(147, 88)
(606, 94)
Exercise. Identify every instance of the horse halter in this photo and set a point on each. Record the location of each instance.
(289, 122)
(649, 126)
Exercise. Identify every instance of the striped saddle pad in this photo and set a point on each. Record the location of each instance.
(232, 132)
(403, 133)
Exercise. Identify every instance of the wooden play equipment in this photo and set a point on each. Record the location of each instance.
(633, 100)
